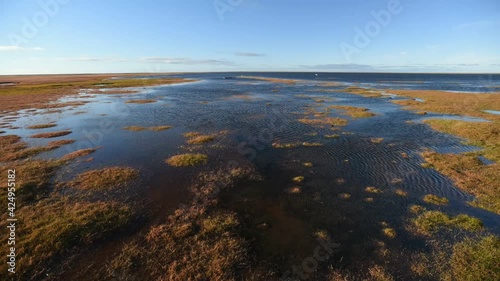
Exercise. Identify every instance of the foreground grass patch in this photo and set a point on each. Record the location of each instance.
(431, 221)
(476, 260)
(105, 178)
(55, 226)
(188, 159)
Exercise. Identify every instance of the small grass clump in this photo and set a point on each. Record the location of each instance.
(436, 200)
(200, 139)
(106, 178)
(188, 159)
(401, 192)
(59, 143)
(51, 135)
(344, 195)
(474, 259)
(294, 190)
(311, 144)
(376, 140)
(334, 136)
(78, 153)
(140, 101)
(307, 164)
(285, 145)
(41, 126)
(431, 221)
(134, 128)
(160, 128)
(415, 209)
(354, 112)
(372, 189)
(298, 179)
(332, 121)
(389, 232)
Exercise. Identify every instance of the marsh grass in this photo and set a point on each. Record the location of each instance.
(140, 128)
(368, 93)
(78, 153)
(476, 259)
(198, 242)
(35, 180)
(141, 101)
(285, 145)
(188, 159)
(51, 134)
(311, 144)
(471, 175)
(198, 138)
(334, 136)
(55, 226)
(432, 221)
(41, 126)
(354, 112)
(401, 192)
(389, 232)
(372, 189)
(14, 149)
(376, 140)
(298, 179)
(105, 178)
(332, 121)
(436, 200)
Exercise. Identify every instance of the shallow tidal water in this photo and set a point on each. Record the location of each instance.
(255, 115)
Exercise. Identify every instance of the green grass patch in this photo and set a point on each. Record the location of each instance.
(436, 200)
(432, 221)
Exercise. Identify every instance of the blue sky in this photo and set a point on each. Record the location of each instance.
(76, 36)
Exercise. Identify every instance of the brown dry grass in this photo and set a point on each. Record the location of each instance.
(354, 112)
(451, 103)
(55, 226)
(198, 242)
(37, 91)
(188, 159)
(78, 153)
(42, 126)
(471, 175)
(140, 128)
(105, 178)
(140, 101)
(14, 149)
(51, 134)
(196, 138)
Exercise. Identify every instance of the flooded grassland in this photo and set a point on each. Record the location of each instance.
(251, 178)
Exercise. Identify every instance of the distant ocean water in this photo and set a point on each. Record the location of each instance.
(447, 82)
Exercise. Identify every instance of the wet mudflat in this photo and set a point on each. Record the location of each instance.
(296, 178)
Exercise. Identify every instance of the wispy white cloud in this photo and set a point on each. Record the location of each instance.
(249, 54)
(187, 61)
(10, 48)
(91, 59)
